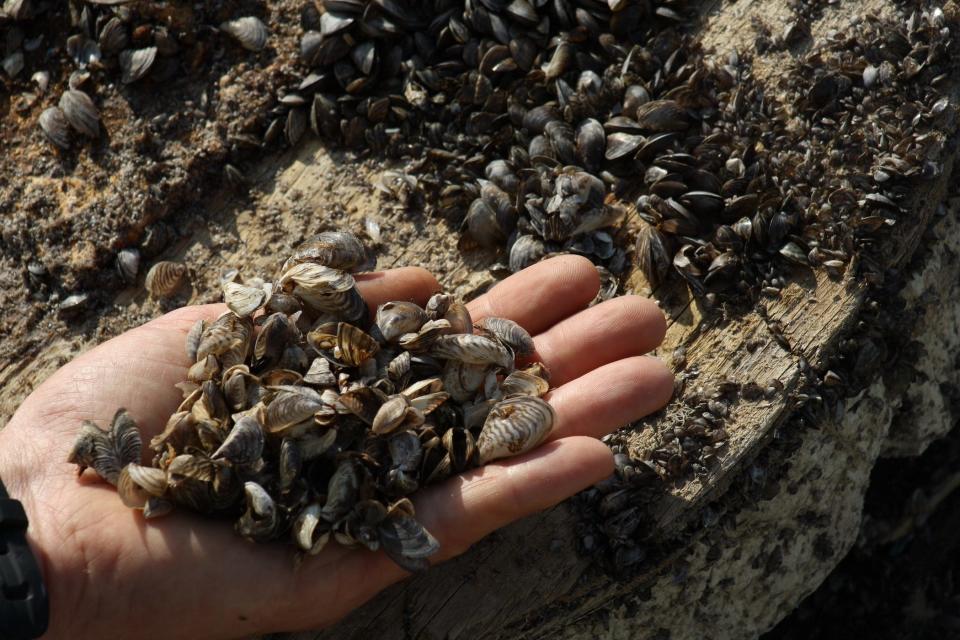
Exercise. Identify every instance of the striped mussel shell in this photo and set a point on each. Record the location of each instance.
(509, 333)
(391, 415)
(55, 127)
(394, 319)
(292, 412)
(243, 446)
(113, 36)
(228, 338)
(334, 249)
(243, 300)
(354, 346)
(325, 290)
(165, 278)
(525, 251)
(472, 349)
(524, 383)
(514, 426)
(80, 112)
(137, 484)
(423, 340)
(463, 381)
(407, 542)
(196, 482)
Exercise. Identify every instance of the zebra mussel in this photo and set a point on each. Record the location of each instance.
(306, 418)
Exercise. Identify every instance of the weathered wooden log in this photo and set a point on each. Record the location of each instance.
(728, 552)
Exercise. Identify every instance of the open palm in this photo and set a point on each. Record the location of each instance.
(112, 574)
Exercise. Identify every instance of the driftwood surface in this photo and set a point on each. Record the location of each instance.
(528, 579)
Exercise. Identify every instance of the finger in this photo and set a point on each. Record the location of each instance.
(541, 295)
(138, 369)
(458, 512)
(610, 397)
(464, 509)
(414, 284)
(615, 329)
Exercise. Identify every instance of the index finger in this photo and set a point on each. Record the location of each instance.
(541, 295)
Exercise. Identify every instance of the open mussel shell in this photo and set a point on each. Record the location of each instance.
(249, 31)
(107, 451)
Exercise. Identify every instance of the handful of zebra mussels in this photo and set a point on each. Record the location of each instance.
(303, 420)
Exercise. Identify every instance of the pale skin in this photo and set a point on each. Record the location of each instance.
(112, 574)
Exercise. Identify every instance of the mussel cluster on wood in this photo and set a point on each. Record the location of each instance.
(111, 41)
(537, 124)
(519, 115)
(305, 418)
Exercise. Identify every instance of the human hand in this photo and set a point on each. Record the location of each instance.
(112, 574)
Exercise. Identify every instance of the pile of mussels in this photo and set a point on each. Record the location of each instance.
(302, 418)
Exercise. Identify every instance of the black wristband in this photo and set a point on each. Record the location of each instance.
(24, 609)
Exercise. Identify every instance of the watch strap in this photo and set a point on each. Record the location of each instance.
(24, 608)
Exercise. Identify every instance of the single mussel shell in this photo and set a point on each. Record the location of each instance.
(165, 278)
(407, 542)
(128, 264)
(394, 319)
(591, 144)
(55, 127)
(340, 250)
(249, 31)
(241, 299)
(514, 426)
(509, 333)
(134, 64)
(473, 349)
(243, 446)
(260, 521)
(80, 112)
(525, 251)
